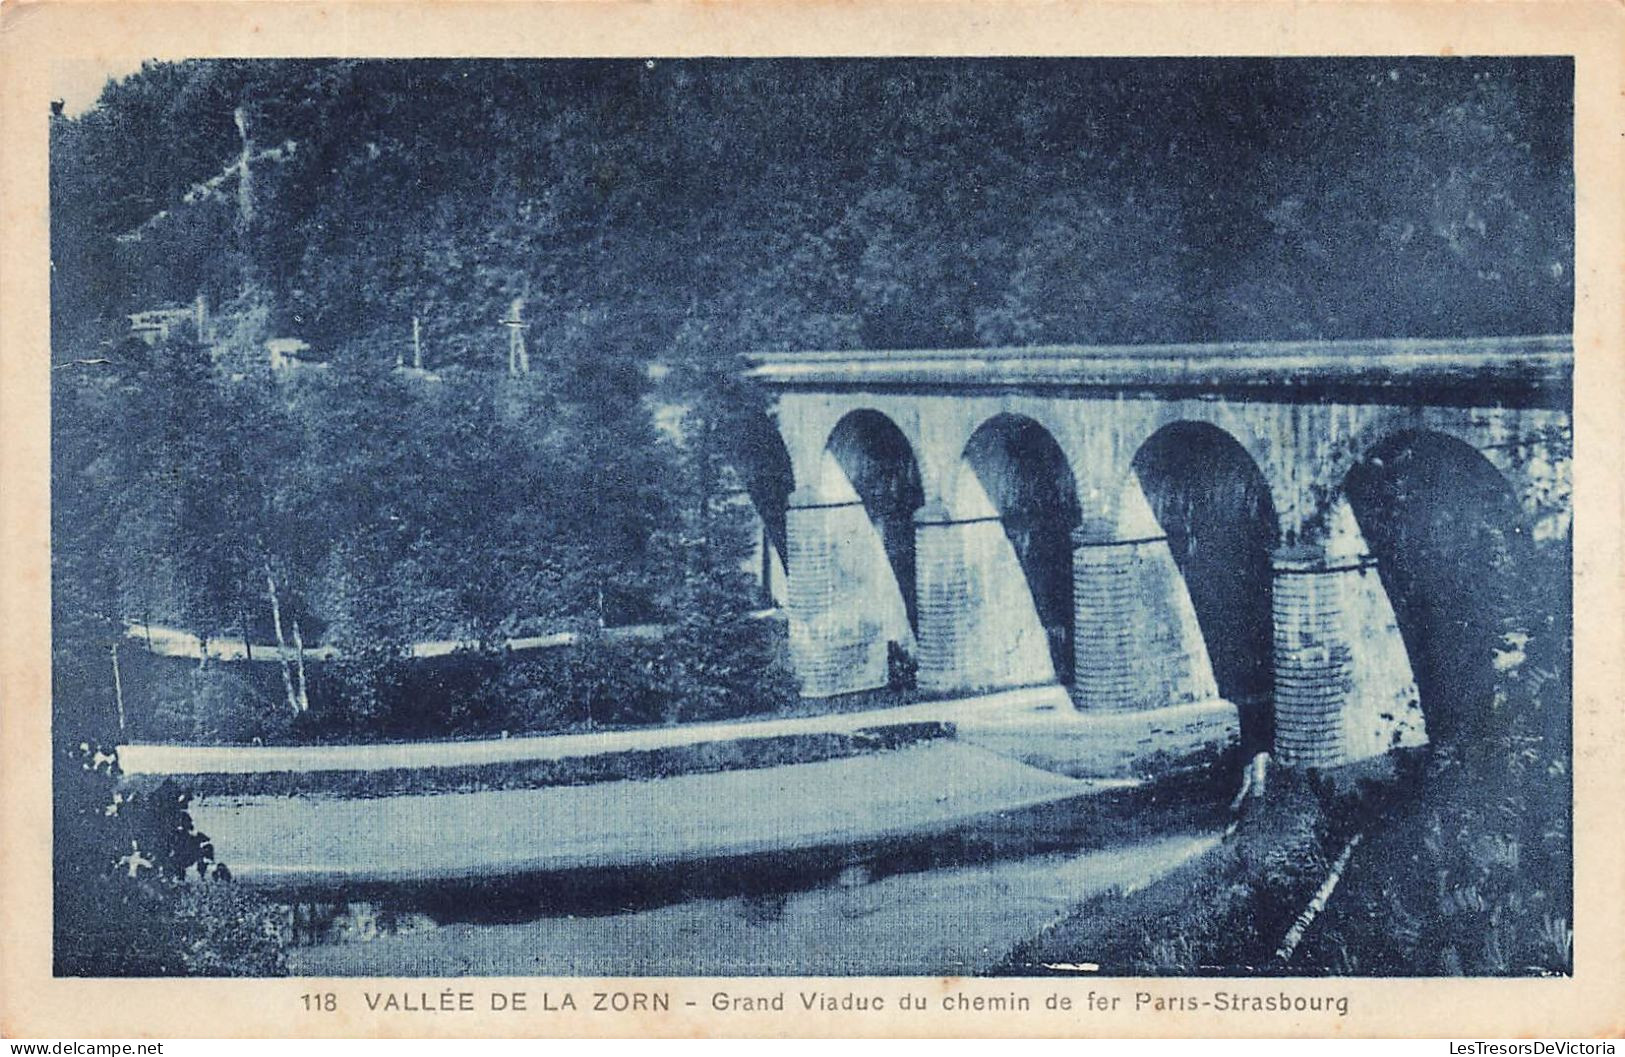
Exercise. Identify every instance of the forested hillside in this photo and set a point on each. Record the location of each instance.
(393, 214)
(691, 209)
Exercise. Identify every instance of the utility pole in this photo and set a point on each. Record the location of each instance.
(518, 355)
(417, 344)
(248, 646)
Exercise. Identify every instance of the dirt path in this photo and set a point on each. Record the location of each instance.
(245, 759)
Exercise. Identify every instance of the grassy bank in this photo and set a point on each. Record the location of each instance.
(1463, 869)
(1219, 914)
(599, 684)
(1466, 870)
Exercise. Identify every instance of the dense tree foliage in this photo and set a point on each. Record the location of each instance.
(704, 207)
(368, 508)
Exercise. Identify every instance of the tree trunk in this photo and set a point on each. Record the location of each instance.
(767, 567)
(299, 658)
(1294, 935)
(245, 187)
(118, 690)
(281, 642)
(417, 344)
(248, 646)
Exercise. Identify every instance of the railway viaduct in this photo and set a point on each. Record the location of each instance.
(1162, 525)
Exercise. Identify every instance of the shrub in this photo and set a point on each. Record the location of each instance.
(731, 668)
(902, 670)
(123, 905)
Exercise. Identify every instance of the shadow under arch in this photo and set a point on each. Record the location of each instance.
(1212, 501)
(1027, 478)
(760, 457)
(1452, 545)
(879, 463)
(765, 469)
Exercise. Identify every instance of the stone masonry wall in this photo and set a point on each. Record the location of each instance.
(979, 629)
(1343, 684)
(1137, 641)
(837, 639)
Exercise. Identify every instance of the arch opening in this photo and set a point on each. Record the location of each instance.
(879, 463)
(1211, 500)
(768, 476)
(1452, 548)
(1029, 482)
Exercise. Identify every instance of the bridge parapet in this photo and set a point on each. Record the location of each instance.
(1536, 369)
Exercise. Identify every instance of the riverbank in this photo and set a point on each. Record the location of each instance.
(708, 757)
(168, 686)
(1429, 863)
(1220, 914)
(175, 759)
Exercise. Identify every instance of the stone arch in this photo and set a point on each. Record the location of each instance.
(867, 457)
(1451, 542)
(1359, 432)
(762, 461)
(1195, 484)
(1244, 429)
(1104, 457)
(1013, 471)
(1530, 449)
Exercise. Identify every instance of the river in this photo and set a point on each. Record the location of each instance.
(953, 919)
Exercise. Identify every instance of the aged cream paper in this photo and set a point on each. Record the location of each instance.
(43, 42)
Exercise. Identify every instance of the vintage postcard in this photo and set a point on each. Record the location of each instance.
(816, 519)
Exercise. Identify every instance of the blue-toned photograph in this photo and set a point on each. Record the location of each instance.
(813, 517)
